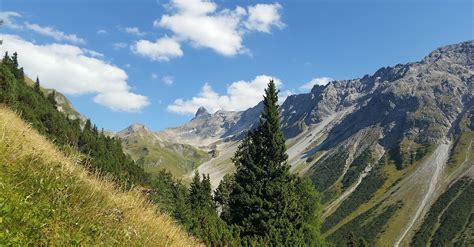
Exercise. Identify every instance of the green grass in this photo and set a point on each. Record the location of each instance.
(47, 198)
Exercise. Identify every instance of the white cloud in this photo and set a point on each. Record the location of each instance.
(72, 70)
(202, 24)
(122, 101)
(322, 81)
(101, 31)
(119, 45)
(162, 49)
(134, 30)
(263, 16)
(167, 80)
(8, 19)
(240, 96)
(55, 34)
(154, 76)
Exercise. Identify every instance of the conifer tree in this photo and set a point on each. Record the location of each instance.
(15, 60)
(222, 194)
(37, 85)
(264, 202)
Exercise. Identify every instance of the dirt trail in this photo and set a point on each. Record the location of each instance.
(437, 162)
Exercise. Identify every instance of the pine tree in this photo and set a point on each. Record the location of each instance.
(222, 194)
(264, 202)
(37, 85)
(200, 196)
(15, 60)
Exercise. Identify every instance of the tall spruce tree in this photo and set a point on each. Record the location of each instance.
(37, 86)
(264, 201)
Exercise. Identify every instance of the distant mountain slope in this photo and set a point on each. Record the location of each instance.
(154, 154)
(381, 148)
(62, 103)
(47, 198)
(206, 129)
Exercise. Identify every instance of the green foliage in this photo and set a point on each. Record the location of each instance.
(354, 241)
(449, 216)
(37, 86)
(361, 195)
(367, 225)
(408, 152)
(193, 208)
(267, 203)
(431, 220)
(357, 166)
(104, 154)
(329, 170)
(222, 196)
(204, 221)
(310, 210)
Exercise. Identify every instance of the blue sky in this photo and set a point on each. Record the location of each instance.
(131, 61)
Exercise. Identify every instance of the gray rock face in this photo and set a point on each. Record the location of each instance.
(201, 111)
(418, 100)
(206, 129)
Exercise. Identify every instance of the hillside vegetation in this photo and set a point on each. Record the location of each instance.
(47, 198)
(104, 154)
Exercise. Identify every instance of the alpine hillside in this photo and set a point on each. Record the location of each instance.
(382, 148)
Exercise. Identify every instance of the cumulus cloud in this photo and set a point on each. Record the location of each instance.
(262, 17)
(200, 23)
(162, 49)
(55, 34)
(203, 24)
(240, 96)
(134, 30)
(8, 19)
(72, 70)
(322, 81)
(167, 80)
(154, 76)
(122, 101)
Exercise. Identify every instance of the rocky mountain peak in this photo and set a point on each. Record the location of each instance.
(201, 111)
(136, 127)
(133, 130)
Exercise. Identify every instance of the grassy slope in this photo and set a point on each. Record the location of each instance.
(47, 199)
(176, 158)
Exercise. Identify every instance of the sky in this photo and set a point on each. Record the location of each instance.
(156, 62)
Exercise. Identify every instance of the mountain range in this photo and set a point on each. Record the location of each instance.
(382, 149)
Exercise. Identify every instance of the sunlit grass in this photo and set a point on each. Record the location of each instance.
(46, 198)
